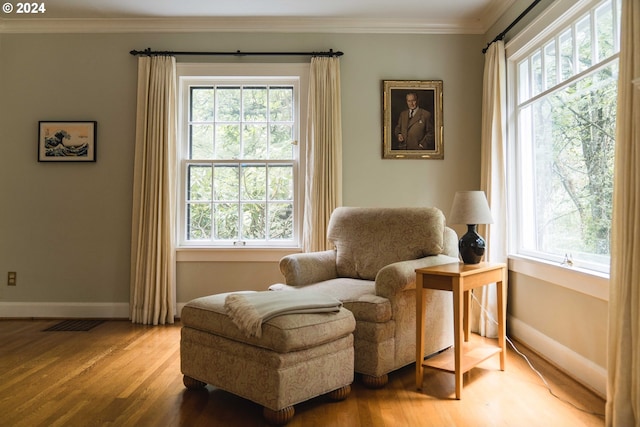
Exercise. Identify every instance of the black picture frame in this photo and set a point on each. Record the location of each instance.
(67, 141)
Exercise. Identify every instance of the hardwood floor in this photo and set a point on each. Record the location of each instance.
(119, 374)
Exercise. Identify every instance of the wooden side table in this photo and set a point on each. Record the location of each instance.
(460, 279)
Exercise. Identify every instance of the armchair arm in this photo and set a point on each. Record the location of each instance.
(450, 243)
(399, 276)
(310, 267)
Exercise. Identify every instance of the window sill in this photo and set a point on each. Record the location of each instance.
(580, 280)
(233, 254)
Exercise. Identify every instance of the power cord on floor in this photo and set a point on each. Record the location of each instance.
(490, 317)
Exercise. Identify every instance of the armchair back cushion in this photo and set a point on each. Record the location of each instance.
(368, 239)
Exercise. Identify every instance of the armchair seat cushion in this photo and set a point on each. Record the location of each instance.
(357, 295)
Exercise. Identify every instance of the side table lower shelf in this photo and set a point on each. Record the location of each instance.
(473, 354)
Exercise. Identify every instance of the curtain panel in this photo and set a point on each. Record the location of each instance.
(152, 299)
(623, 370)
(323, 178)
(493, 182)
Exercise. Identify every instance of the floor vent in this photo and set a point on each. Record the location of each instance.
(78, 325)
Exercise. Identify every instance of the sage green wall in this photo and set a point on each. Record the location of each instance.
(65, 228)
(576, 320)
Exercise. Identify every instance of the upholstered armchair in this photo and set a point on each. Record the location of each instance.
(372, 271)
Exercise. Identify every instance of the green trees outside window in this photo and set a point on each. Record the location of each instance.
(240, 164)
(566, 114)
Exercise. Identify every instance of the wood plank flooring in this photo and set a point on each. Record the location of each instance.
(120, 374)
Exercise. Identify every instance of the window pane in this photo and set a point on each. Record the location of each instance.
(566, 55)
(281, 104)
(227, 183)
(254, 139)
(228, 105)
(523, 81)
(226, 221)
(605, 31)
(281, 182)
(227, 141)
(281, 221)
(280, 142)
(198, 221)
(527, 178)
(536, 72)
(550, 68)
(254, 104)
(574, 142)
(254, 182)
(202, 101)
(201, 142)
(199, 183)
(253, 221)
(583, 43)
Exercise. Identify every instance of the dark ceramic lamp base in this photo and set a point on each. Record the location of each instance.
(471, 246)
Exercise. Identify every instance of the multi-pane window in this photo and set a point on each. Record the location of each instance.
(566, 88)
(239, 162)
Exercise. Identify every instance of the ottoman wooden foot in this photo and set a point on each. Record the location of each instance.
(375, 382)
(280, 417)
(192, 383)
(340, 394)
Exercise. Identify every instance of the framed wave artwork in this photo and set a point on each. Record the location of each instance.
(67, 141)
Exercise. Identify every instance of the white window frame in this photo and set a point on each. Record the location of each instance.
(189, 74)
(590, 282)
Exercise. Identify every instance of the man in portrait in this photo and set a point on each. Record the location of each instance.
(414, 130)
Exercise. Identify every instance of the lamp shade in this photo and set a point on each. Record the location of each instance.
(470, 207)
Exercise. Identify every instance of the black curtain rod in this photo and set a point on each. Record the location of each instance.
(149, 52)
(504, 33)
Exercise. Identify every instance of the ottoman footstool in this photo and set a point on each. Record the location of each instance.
(297, 357)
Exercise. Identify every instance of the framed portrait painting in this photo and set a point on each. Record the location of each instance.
(412, 122)
(67, 141)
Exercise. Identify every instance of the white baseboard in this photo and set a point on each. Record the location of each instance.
(583, 370)
(64, 310)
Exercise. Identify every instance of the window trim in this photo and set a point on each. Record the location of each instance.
(244, 254)
(559, 14)
(199, 251)
(587, 282)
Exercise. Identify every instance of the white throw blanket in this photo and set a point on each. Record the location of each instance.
(249, 310)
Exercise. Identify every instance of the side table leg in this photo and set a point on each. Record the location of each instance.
(466, 319)
(458, 301)
(500, 288)
(420, 312)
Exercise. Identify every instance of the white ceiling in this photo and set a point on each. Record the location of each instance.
(402, 16)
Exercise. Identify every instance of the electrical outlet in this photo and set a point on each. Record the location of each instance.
(11, 278)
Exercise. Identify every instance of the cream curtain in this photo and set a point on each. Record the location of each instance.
(623, 385)
(152, 237)
(492, 182)
(323, 192)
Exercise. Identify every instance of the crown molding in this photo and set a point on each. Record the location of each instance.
(255, 24)
(494, 11)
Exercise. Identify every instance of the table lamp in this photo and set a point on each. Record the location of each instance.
(470, 208)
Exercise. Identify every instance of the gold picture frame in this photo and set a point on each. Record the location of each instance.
(417, 137)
